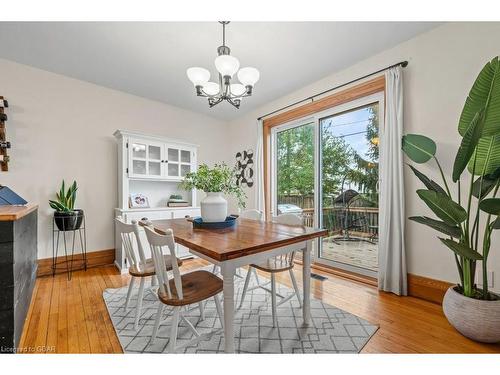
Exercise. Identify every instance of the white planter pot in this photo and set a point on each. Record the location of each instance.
(214, 208)
(476, 319)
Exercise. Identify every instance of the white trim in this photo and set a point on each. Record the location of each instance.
(120, 133)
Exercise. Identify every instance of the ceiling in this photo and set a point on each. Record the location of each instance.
(150, 59)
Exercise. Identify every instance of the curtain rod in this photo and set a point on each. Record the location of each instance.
(404, 64)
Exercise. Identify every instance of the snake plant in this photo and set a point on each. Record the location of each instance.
(460, 221)
(65, 198)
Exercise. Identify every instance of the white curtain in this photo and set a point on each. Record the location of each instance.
(259, 168)
(392, 257)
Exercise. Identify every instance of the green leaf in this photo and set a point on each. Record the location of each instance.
(484, 95)
(443, 206)
(57, 206)
(450, 230)
(496, 223)
(487, 156)
(62, 193)
(482, 189)
(468, 145)
(429, 184)
(418, 148)
(490, 206)
(462, 249)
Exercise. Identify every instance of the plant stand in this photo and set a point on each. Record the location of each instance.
(69, 242)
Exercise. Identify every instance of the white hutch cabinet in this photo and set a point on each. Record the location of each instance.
(153, 166)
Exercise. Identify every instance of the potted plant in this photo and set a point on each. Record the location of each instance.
(216, 182)
(65, 215)
(466, 225)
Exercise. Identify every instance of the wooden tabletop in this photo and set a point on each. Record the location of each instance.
(13, 213)
(245, 238)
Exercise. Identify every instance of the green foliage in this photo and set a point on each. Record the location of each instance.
(484, 96)
(443, 206)
(479, 151)
(462, 249)
(490, 206)
(440, 226)
(340, 162)
(483, 107)
(419, 148)
(219, 179)
(429, 184)
(295, 159)
(65, 198)
(469, 142)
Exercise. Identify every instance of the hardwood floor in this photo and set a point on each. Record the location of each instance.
(70, 316)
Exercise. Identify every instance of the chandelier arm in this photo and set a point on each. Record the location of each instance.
(235, 104)
(213, 103)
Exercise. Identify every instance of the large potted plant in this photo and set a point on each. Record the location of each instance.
(215, 182)
(466, 222)
(65, 215)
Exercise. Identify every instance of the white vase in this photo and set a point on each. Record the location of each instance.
(214, 208)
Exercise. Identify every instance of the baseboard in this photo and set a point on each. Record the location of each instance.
(345, 274)
(94, 259)
(427, 289)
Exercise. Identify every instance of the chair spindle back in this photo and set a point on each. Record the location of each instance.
(129, 234)
(157, 242)
(288, 219)
(252, 215)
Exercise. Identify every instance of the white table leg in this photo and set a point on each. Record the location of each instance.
(306, 280)
(228, 284)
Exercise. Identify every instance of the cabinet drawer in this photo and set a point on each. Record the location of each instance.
(183, 213)
(152, 215)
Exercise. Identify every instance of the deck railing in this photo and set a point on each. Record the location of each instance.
(361, 221)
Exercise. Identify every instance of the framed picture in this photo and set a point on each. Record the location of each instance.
(138, 201)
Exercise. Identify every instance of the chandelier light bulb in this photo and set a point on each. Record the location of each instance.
(227, 65)
(199, 76)
(211, 88)
(248, 76)
(238, 89)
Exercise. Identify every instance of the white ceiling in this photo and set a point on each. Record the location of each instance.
(150, 59)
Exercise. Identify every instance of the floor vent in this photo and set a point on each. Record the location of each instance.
(318, 277)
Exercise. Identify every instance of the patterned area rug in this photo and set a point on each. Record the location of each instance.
(332, 330)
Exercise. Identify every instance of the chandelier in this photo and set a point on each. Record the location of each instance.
(227, 66)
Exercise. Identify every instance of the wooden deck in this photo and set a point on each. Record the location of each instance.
(71, 317)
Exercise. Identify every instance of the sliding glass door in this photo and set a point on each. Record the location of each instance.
(326, 169)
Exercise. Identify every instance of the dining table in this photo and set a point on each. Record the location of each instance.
(247, 242)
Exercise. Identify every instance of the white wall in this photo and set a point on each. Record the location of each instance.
(443, 64)
(60, 127)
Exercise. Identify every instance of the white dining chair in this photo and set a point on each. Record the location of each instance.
(248, 214)
(180, 290)
(274, 265)
(139, 266)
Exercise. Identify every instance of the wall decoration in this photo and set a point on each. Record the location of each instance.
(4, 145)
(138, 201)
(244, 166)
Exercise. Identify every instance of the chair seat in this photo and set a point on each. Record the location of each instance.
(148, 269)
(196, 287)
(274, 265)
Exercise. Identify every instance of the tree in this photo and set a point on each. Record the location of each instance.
(340, 162)
(295, 161)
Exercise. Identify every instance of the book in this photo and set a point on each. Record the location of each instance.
(178, 204)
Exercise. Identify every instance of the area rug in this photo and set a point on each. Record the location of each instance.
(331, 331)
